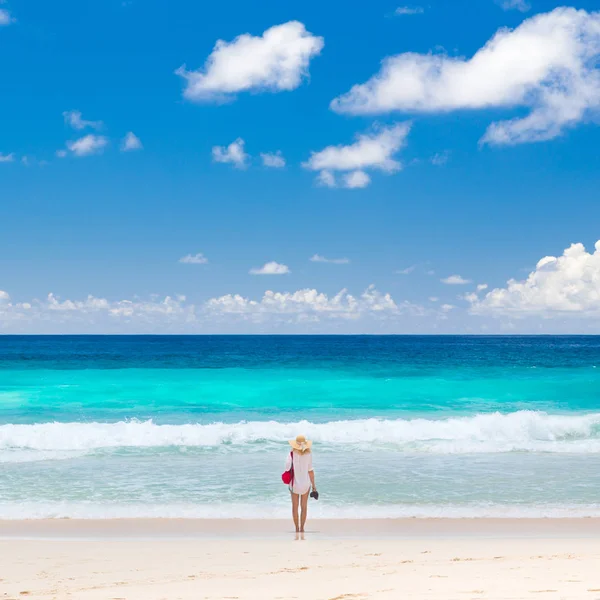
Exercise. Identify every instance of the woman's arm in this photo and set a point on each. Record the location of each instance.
(311, 474)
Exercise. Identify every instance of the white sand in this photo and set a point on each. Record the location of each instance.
(451, 566)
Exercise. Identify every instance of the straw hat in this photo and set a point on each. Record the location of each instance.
(301, 444)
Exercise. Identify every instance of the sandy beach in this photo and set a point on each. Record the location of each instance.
(191, 560)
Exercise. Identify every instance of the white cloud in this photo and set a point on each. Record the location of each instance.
(271, 268)
(520, 5)
(548, 64)
(309, 303)
(334, 261)
(88, 144)
(194, 259)
(234, 154)
(174, 314)
(440, 158)
(273, 159)
(455, 280)
(74, 119)
(433, 299)
(408, 10)
(326, 179)
(276, 61)
(374, 150)
(370, 151)
(407, 271)
(5, 17)
(61, 153)
(356, 179)
(94, 314)
(482, 286)
(447, 307)
(569, 284)
(7, 157)
(131, 142)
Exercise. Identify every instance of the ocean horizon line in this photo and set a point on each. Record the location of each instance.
(305, 335)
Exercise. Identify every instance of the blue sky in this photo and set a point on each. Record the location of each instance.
(440, 191)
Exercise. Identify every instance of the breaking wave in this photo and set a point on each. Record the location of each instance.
(526, 431)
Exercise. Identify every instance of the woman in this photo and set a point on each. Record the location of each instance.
(303, 478)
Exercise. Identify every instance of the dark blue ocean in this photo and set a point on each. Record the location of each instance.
(198, 425)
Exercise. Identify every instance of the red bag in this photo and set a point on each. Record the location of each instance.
(288, 476)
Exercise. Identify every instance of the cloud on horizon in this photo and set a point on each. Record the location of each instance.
(568, 285)
(175, 314)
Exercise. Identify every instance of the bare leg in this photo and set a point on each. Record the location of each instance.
(304, 509)
(295, 502)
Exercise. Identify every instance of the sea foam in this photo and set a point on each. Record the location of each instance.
(483, 433)
(280, 510)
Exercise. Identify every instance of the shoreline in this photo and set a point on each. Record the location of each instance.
(326, 529)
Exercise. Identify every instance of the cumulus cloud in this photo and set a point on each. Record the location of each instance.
(520, 5)
(569, 284)
(92, 313)
(4, 158)
(273, 159)
(455, 280)
(271, 268)
(307, 303)
(234, 154)
(5, 17)
(409, 10)
(276, 61)
(194, 259)
(549, 64)
(88, 144)
(373, 150)
(74, 119)
(334, 261)
(131, 142)
(356, 179)
(482, 286)
(326, 179)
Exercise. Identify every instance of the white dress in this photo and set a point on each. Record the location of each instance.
(302, 465)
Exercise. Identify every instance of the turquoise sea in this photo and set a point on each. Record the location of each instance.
(197, 426)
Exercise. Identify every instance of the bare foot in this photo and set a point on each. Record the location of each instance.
(297, 536)
(302, 535)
